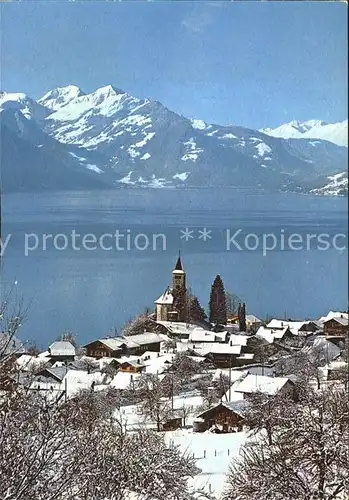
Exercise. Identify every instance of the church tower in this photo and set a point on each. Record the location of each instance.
(178, 276)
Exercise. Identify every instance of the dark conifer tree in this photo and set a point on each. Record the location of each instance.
(196, 313)
(217, 305)
(242, 317)
(180, 303)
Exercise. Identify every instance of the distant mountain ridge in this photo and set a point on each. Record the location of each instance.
(109, 138)
(312, 129)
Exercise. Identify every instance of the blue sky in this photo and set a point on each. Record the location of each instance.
(254, 64)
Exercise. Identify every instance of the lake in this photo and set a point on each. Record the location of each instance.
(95, 259)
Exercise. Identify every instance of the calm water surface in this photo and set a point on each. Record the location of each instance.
(89, 291)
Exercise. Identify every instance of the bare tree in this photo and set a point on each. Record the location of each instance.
(184, 412)
(140, 324)
(308, 457)
(155, 404)
(232, 301)
(13, 313)
(80, 451)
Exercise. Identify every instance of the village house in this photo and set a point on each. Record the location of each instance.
(220, 354)
(336, 327)
(331, 315)
(112, 348)
(120, 346)
(177, 329)
(132, 366)
(61, 351)
(271, 335)
(270, 386)
(301, 328)
(223, 417)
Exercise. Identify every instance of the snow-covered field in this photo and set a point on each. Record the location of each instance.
(214, 453)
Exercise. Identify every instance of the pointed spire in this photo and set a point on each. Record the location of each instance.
(179, 265)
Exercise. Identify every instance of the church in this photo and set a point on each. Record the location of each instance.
(172, 304)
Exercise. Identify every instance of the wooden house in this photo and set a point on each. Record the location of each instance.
(112, 348)
(171, 424)
(221, 355)
(61, 351)
(225, 417)
(336, 327)
(116, 347)
(262, 384)
(132, 366)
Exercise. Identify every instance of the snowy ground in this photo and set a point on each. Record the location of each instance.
(214, 453)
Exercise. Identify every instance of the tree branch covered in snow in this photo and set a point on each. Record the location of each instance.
(80, 451)
(308, 458)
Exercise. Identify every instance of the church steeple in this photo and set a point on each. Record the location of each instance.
(178, 275)
(179, 265)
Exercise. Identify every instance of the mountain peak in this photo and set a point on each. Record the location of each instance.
(23, 103)
(60, 96)
(109, 90)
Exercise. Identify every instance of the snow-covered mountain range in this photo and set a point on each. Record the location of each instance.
(109, 138)
(312, 129)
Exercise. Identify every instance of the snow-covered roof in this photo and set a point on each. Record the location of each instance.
(333, 314)
(251, 318)
(341, 321)
(323, 344)
(261, 383)
(136, 363)
(221, 336)
(220, 348)
(165, 298)
(238, 407)
(201, 335)
(113, 343)
(270, 334)
(177, 327)
(239, 340)
(62, 348)
(294, 326)
(144, 338)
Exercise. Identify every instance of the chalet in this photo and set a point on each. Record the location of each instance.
(330, 348)
(112, 348)
(177, 329)
(120, 346)
(199, 335)
(302, 328)
(225, 417)
(263, 384)
(132, 366)
(61, 351)
(147, 341)
(220, 354)
(336, 327)
(271, 335)
(331, 315)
